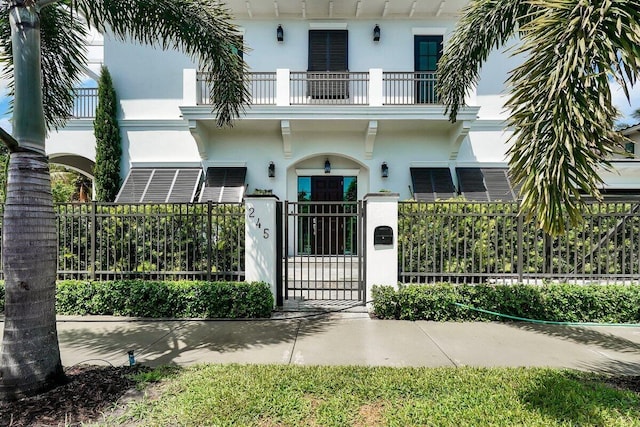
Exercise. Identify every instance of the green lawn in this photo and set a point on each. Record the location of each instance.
(267, 395)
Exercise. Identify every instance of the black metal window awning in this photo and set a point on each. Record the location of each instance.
(160, 185)
(224, 185)
(486, 184)
(431, 184)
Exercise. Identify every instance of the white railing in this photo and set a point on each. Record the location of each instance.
(373, 88)
(85, 103)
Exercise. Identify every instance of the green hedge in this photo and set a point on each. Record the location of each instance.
(553, 302)
(139, 298)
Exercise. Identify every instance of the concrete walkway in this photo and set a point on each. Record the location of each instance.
(348, 339)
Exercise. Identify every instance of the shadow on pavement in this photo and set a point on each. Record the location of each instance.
(582, 335)
(613, 367)
(162, 342)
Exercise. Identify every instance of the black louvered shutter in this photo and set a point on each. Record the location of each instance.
(328, 50)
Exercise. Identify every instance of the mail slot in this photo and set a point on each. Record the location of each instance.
(383, 235)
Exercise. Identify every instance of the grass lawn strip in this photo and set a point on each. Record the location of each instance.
(281, 395)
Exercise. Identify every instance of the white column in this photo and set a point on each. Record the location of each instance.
(260, 240)
(189, 87)
(376, 93)
(381, 259)
(282, 87)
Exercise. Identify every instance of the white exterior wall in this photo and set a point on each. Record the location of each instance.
(151, 87)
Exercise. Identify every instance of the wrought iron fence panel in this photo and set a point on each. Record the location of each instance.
(150, 241)
(478, 242)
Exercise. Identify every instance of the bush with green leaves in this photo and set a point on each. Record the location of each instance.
(550, 302)
(156, 299)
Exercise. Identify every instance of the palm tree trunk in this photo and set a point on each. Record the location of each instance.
(30, 359)
(30, 353)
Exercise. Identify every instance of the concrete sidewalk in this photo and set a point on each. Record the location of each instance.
(348, 339)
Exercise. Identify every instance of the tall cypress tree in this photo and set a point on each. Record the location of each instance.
(108, 148)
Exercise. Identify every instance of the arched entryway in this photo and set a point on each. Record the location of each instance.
(79, 164)
(323, 229)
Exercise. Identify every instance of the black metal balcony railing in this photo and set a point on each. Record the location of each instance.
(86, 102)
(307, 87)
(261, 86)
(409, 88)
(330, 88)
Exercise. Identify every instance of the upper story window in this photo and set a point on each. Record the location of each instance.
(427, 52)
(328, 50)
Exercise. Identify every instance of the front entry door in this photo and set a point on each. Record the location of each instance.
(328, 232)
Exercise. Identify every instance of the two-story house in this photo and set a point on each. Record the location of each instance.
(343, 104)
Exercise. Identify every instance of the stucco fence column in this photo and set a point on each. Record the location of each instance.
(261, 242)
(381, 216)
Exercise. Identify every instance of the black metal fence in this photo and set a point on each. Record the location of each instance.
(151, 241)
(479, 242)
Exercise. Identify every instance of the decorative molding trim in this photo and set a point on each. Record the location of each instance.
(337, 172)
(489, 125)
(174, 165)
(481, 165)
(370, 139)
(327, 25)
(285, 128)
(199, 135)
(458, 135)
(431, 164)
(337, 112)
(224, 164)
(428, 31)
(165, 124)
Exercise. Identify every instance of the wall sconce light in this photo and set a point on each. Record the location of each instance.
(280, 34)
(327, 166)
(384, 170)
(376, 33)
(272, 170)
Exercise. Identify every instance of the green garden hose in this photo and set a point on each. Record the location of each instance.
(545, 322)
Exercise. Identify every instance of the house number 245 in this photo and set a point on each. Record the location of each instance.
(256, 221)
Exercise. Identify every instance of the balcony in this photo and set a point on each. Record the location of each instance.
(85, 103)
(373, 88)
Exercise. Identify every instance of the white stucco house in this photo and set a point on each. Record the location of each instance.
(343, 103)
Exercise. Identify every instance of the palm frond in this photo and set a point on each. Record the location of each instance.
(62, 55)
(200, 28)
(561, 104)
(484, 26)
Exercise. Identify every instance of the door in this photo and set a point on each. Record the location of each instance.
(328, 232)
(427, 53)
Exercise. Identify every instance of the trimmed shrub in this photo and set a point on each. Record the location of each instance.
(184, 299)
(551, 302)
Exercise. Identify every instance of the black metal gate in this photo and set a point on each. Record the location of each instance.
(323, 251)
